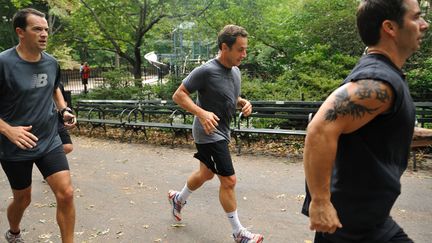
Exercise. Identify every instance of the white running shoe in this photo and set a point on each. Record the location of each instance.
(245, 236)
(176, 205)
(12, 238)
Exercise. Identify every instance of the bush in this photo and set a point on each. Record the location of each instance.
(420, 81)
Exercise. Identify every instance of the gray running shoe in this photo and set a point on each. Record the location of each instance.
(11, 238)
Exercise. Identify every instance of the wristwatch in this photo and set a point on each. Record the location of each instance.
(62, 111)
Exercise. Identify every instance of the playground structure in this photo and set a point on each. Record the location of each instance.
(187, 52)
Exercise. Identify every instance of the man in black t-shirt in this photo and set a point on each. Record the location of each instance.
(357, 145)
(29, 95)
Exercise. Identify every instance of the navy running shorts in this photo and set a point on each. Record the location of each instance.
(19, 173)
(216, 156)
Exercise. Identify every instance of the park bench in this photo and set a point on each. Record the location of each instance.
(133, 115)
(102, 113)
(423, 116)
(280, 118)
(159, 115)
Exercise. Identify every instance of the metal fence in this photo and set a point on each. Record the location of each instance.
(71, 79)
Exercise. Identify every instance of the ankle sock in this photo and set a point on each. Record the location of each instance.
(235, 222)
(10, 231)
(184, 194)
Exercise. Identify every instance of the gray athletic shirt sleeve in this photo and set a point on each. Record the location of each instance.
(218, 89)
(26, 98)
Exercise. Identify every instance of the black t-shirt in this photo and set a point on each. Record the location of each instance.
(370, 161)
(26, 98)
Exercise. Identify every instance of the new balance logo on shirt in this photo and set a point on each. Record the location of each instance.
(39, 80)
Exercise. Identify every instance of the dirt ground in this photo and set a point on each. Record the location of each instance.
(120, 196)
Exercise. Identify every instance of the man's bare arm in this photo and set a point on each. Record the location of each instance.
(208, 120)
(347, 109)
(18, 135)
(68, 117)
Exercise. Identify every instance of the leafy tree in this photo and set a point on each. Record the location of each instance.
(7, 34)
(419, 66)
(121, 26)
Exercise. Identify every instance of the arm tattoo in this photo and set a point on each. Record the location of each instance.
(344, 106)
(369, 87)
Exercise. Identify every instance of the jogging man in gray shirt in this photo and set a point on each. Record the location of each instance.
(218, 85)
(29, 95)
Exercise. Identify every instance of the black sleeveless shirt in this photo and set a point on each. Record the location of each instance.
(370, 161)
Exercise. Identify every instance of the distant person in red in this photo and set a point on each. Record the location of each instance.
(85, 74)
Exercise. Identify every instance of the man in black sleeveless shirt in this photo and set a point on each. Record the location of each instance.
(357, 145)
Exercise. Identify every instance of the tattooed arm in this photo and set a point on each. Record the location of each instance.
(347, 109)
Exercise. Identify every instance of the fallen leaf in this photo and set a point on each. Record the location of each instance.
(177, 225)
(45, 236)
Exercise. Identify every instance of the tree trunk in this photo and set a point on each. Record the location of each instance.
(137, 71)
(117, 60)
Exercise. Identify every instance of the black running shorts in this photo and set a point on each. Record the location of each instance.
(216, 156)
(399, 237)
(19, 173)
(64, 135)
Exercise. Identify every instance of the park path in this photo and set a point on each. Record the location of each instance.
(120, 196)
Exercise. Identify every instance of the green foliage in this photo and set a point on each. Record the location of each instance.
(316, 73)
(297, 49)
(7, 34)
(331, 23)
(166, 90)
(118, 84)
(255, 89)
(20, 3)
(117, 79)
(63, 55)
(420, 81)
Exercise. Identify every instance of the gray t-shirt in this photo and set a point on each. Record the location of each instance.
(26, 98)
(218, 90)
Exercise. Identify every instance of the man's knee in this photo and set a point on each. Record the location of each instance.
(22, 198)
(228, 182)
(65, 195)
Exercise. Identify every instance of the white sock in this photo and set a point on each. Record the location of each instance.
(184, 194)
(235, 222)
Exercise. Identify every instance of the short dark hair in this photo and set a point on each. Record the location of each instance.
(372, 13)
(19, 20)
(229, 34)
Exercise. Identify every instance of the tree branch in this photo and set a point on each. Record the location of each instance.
(106, 33)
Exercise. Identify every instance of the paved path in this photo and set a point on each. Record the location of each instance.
(120, 196)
